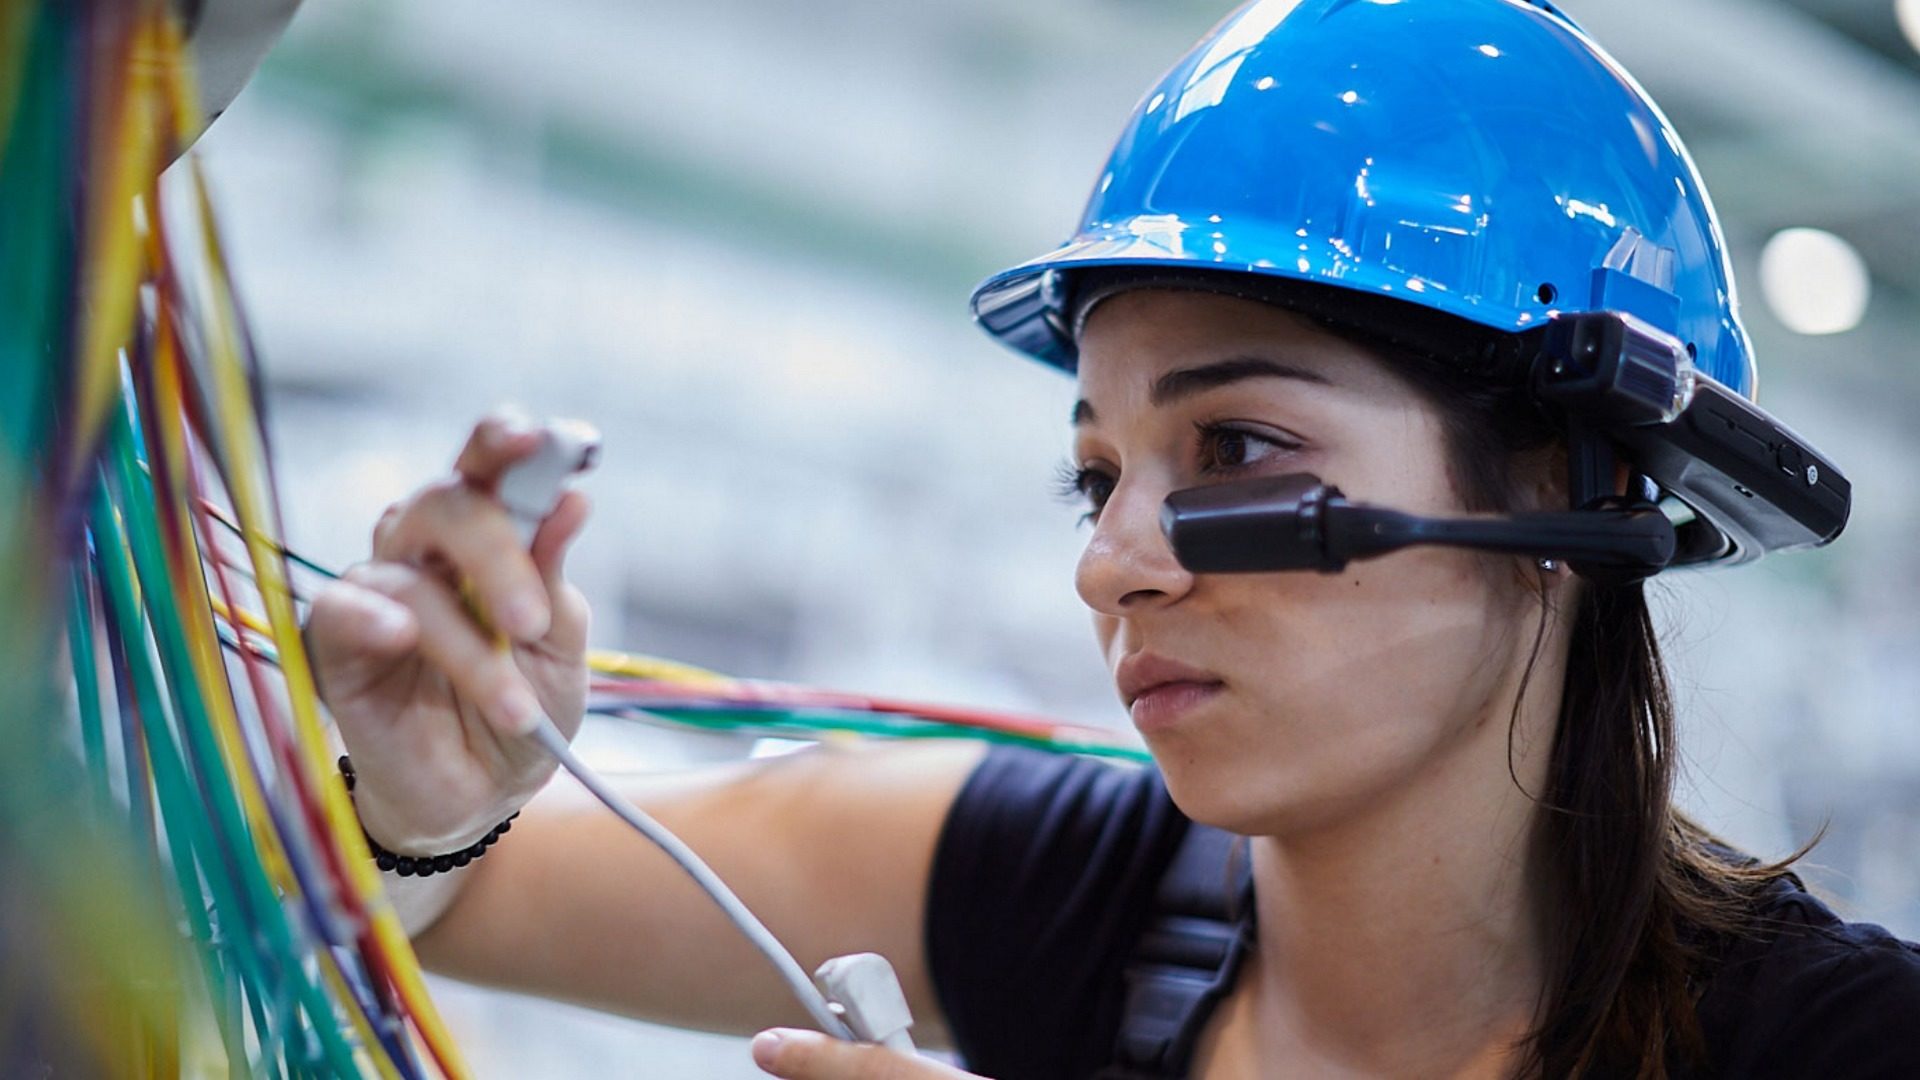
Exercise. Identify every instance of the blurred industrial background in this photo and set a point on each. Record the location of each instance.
(738, 235)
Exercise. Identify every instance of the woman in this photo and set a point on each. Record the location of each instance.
(1319, 249)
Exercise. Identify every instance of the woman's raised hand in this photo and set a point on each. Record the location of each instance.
(431, 704)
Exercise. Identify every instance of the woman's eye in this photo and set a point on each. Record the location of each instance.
(1084, 487)
(1227, 448)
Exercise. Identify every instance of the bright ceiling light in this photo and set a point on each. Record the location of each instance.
(1815, 282)
(1908, 12)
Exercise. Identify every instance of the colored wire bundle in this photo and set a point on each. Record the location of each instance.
(180, 862)
(779, 710)
(194, 828)
(672, 693)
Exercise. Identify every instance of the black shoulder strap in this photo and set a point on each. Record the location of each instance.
(1186, 958)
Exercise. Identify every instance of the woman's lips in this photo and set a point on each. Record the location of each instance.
(1159, 690)
(1162, 706)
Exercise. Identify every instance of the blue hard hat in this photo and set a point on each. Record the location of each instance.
(1474, 174)
(1482, 158)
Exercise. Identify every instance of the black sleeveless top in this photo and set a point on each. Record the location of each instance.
(1047, 864)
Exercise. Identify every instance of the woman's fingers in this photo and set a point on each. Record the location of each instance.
(556, 536)
(569, 614)
(459, 528)
(470, 535)
(480, 672)
(809, 1055)
(353, 634)
(496, 442)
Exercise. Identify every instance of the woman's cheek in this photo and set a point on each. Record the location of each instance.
(1380, 644)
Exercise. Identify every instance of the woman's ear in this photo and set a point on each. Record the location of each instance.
(1540, 485)
(1540, 479)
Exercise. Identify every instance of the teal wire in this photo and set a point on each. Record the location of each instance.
(234, 918)
(807, 722)
(36, 237)
(250, 897)
(185, 828)
(288, 553)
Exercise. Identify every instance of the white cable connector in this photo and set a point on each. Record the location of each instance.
(867, 995)
(858, 997)
(531, 487)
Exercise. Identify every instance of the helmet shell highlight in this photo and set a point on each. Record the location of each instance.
(1480, 158)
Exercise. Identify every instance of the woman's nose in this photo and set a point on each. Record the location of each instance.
(1128, 565)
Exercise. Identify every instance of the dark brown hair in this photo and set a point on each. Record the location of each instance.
(1641, 896)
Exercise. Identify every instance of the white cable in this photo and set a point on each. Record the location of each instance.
(550, 739)
(530, 489)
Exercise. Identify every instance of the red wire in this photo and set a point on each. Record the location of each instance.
(801, 697)
(279, 739)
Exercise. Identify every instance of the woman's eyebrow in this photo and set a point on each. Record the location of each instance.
(1186, 382)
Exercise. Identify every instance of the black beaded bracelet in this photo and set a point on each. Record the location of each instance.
(424, 865)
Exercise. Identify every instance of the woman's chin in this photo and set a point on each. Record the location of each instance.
(1206, 788)
(1243, 795)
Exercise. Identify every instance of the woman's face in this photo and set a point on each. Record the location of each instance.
(1285, 701)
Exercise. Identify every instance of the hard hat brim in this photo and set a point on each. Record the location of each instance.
(1023, 306)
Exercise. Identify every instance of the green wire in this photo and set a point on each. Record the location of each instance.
(244, 948)
(228, 948)
(36, 235)
(186, 827)
(803, 721)
(238, 946)
(287, 552)
(308, 563)
(249, 896)
(185, 830)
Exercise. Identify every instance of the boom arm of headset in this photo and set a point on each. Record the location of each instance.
(1296, 522)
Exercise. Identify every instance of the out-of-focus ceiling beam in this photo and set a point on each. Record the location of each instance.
(1794, 123)
(1872, 23)
(1844, 121)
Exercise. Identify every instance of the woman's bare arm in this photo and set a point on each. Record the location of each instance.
(830, 847)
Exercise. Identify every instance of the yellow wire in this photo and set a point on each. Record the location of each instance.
(251, 498)
(245, 471)
(210, 671)
(249, 489)
(243, 617)
(602, 661)
(637, 666)
(127, 148)
(209, 667)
